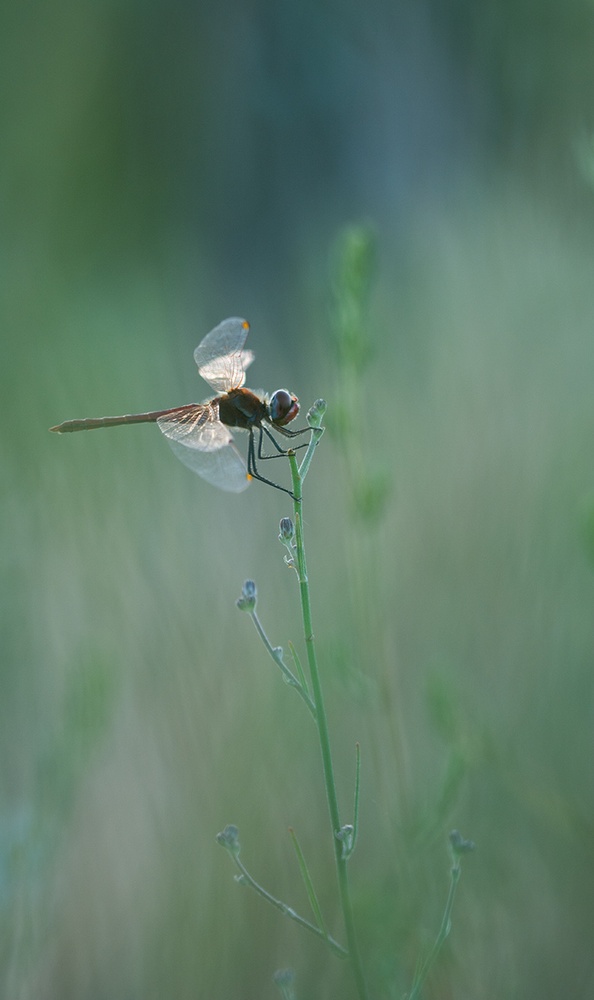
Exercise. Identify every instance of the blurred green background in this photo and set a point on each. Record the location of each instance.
(167, 165)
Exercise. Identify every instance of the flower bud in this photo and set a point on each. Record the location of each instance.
(346, 835)
(315, 414)
(287, 530)
(229, 839)
(249, 595)
(459, 845)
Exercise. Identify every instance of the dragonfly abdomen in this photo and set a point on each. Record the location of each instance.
(94, 423)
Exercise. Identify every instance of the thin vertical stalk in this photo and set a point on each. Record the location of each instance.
(444, 930)
(324, 738)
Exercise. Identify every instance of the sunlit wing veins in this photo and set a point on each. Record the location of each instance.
(220, 357)
(205, 446)
(224, 468)
(228, 372)
(198, 428)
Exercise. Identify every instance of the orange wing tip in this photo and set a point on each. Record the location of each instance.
(248, 477)
(245, 325)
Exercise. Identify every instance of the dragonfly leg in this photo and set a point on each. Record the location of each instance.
(291, 434)
(251, 463)
(281, 453)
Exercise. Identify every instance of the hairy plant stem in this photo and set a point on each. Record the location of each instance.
(324, 738)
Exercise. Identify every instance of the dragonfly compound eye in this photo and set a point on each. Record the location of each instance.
(284, 407)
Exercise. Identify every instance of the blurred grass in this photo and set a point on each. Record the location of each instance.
(469, 689)
(139, 714)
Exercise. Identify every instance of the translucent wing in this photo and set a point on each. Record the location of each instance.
(224, 468)
(197, 427)
(220, 356)
(199, 439)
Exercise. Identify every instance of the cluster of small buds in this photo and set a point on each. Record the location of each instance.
(249, 596)
(287, 530)
(315, 414)
(229, 839)
(286, 537)
(459, 845)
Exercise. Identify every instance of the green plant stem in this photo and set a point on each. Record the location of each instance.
(286, 910)
(444, 930)
(277, 655)
(324, 738)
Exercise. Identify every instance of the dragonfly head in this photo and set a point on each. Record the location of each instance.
(283, 407)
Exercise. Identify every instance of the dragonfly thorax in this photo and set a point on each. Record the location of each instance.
(241, 408)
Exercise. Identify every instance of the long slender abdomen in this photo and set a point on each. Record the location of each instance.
(94, 423)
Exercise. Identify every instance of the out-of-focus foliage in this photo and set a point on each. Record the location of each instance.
(166, 165)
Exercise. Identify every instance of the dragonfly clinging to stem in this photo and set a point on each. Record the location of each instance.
(200, 434)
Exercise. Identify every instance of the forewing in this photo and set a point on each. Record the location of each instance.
(205, 446)
(221, 358)
(196, 427)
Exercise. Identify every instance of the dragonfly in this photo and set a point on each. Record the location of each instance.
(201, 434)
